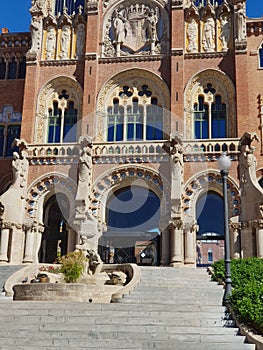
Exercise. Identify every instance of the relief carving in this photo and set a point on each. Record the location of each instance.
(137, 28)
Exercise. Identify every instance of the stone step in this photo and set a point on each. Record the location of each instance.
(172, 309)
(67, 343)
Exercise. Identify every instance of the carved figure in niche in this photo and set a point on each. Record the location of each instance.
(65, 40)
(16, 167)
(85, 164)
(241, 21)
(84, 173)
(151, 23)
(209, 34)
(39, 6)
(80, 40)
(19, 169)
(51, 43)
(192, 31)
(225, 31)
(177, 160)
(120, 28)
(36, 33)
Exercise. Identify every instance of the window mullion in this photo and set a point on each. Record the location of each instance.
(144, 123)
(125, 121)
(209, 120)
(62, 125)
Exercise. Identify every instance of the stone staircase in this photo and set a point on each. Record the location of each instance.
(7, 270)
(172, 309)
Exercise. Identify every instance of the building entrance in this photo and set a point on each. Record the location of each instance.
(54, 238)
(132, 236)
(210, 237)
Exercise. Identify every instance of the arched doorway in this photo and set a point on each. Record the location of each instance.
(210, 237)
(55, 236)
(132, 216)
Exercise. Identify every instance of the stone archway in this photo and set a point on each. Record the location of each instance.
(124, 177)
(198, 187)
(39, 193)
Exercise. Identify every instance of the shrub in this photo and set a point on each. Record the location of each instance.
(247, 294)
(72, 266)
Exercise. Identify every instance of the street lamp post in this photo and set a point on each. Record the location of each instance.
(224, 164)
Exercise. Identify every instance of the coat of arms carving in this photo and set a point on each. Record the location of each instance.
(135, 29)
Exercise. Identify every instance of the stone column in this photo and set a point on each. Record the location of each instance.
(38, 230)
(190, 243)
(234, 228)
(246, 240)
(165, 247)
(17, 244)
(176, 242)
(29, 245)
(4, 243)
(259, 238)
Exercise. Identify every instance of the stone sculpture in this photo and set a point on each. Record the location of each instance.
(209, 34)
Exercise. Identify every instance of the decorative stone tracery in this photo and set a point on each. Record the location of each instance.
(135, 81)
(47, 95)
(210, 83)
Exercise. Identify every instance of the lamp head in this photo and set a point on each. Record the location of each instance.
(224, 162)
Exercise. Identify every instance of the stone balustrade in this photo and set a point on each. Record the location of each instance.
(132, 152)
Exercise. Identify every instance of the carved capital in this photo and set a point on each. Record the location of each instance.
(7, 225)
(176, 223)
(234, 226)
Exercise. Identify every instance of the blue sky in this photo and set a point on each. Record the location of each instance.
(15, 14)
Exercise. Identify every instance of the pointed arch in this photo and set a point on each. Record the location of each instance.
(217, 92)
(202, 183)
(129, 94)
(63, 91)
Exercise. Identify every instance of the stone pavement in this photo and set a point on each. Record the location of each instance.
(172, 309)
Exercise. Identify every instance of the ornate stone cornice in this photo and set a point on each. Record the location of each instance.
(91, 56)
(58, 63)
(177, 52)
(92, 7)
(131, 58)
(177, 4)
(205, 55)
(241, 47)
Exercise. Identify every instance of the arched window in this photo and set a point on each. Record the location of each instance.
(261, 56)
(133, 209)
(210, 115)
(218, 118)
(2, 68)
(210, 215)
(201, 123)
(22, 69)
(129, 118)
(12, 69)
(62, 120)
(10, 126)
